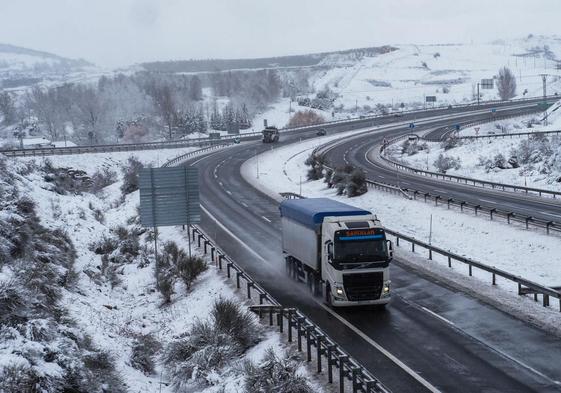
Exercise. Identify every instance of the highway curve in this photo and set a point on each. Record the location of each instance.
(363, 152)
(410, 347)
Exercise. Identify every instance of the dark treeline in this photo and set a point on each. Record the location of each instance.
(146, 106)
(213, 65)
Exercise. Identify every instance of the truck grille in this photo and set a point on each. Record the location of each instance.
(363, 286)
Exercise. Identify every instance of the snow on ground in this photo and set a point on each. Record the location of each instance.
(114, 317)
(448, 71)
(528, 253)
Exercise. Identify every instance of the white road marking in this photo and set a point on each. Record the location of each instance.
(385, 352)
(550, 214)
(244, 204)
(487, 201)
(266, 219)
(228, 192)
(369, 340)
(438, 316)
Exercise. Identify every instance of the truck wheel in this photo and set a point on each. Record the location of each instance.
(328, 295)
(315, 287)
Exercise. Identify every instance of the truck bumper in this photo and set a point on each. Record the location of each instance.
(347, 303)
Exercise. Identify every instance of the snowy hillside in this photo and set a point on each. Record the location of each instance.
(449, 71)
(79, 306)
(22, 67)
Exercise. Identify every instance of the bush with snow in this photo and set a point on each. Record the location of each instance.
(174, 263)
(347, 180)
(275, 374)
(444, 163)
(316, 164)
(131, 172)
(42, 349)
(210, 345)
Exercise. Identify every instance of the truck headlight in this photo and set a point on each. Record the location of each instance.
(339, 291)
(387, 287)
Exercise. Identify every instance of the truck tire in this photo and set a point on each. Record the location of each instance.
(328, 295)
(315, 286)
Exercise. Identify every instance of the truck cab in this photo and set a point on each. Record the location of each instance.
(270, 134)
(355, 260)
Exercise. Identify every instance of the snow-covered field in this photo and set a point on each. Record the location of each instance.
(530, 254)
(115, 314)
(448, 71)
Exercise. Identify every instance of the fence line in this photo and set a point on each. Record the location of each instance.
(245, 136)
(329, 356)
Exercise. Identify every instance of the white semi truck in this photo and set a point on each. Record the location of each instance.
(337, 249)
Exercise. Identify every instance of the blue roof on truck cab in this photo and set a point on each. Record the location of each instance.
(311, 211)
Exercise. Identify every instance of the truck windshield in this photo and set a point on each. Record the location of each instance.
(359, 246)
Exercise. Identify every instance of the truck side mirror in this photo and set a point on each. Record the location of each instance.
(330, 251)
(390, 249)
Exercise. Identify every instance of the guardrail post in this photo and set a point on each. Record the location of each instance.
(212, 250)
(450, 200)
(220, 258)
(330, 362)
(449, 261)
(470, 268)
(206, 242)
(199, 237)
(342, 360)
(249, 285)
(545, 300)
(309, 343)
(238, 275)
(519, 289)
(508, 215)
(355, 371)
(494, 279)
(412, 247)
(261, 297)
(397, 241)
(426, 194)
(436, 198)
(547, 225)
(290, 315)
(476, 207)
(415, 194)
(228, 267)
(527, 220)
(493, 210)
(280, 320)
(299, 331)
(319, 339)
(462, 206)
(430, 254)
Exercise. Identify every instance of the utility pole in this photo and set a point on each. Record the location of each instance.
(544, 81)
(356, 106)
(478, 93)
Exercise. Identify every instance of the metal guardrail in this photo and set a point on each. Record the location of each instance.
(182, 157)
(507, 135)
(294, 324)
(461, 179)
(245, 136)
(525, 286)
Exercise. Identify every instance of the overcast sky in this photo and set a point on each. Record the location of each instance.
(122, 32)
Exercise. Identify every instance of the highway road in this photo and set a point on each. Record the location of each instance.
(431, 338)
(363, 152)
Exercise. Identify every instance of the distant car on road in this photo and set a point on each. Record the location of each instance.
(321, 132)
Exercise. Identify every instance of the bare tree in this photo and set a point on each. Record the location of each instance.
(506, 84)
(7, 107)
(91, 110)
(166, 107)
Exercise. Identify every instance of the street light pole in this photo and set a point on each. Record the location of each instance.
(478, 94)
